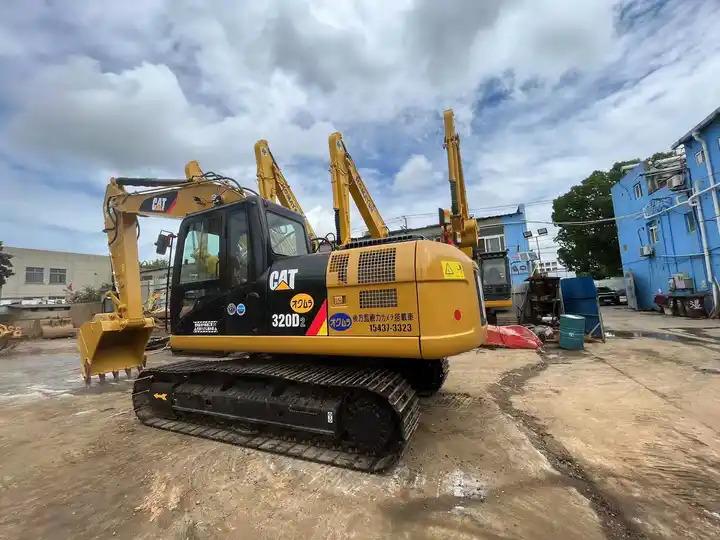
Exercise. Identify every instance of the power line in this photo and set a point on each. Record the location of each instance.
(578, 223)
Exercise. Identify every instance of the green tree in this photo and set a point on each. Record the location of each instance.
(88, 294)
(155, 264)
(5, 266)
(589, 249)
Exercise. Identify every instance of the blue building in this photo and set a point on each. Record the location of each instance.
(497, 232)
(668, 219)
(507, 231)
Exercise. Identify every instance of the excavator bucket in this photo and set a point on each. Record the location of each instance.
(109, 344)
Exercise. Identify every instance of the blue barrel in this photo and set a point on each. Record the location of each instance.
(572, 332)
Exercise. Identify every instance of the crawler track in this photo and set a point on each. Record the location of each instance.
(391, 398)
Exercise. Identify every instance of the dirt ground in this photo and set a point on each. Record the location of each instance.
(619, 441)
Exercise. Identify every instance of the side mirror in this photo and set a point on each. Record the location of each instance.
(163, 242)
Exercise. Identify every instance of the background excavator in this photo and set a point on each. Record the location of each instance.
(273, 186)
(334, 348)
(460, 229)
(347, 182)
(9, 336)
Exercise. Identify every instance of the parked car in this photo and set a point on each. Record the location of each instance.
(622, 295)
(607, 296)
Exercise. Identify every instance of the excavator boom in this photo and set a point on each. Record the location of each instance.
(273, 185)
(464, 231)
(114, 341)
(346, 182)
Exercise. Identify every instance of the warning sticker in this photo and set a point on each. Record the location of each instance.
(452, 270)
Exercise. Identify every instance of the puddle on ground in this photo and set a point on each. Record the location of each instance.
(666, 336)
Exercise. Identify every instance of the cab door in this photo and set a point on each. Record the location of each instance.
(244, 312)
(197, 300)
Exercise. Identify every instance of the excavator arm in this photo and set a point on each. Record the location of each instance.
(346, 182)
(458, 226)
(273, 185)
(114, 341)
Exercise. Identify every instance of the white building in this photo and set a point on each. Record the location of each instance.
(43, 276)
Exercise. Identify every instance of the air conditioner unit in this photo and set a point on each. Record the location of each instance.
(676, 181)
(646, 251)
(681, 282)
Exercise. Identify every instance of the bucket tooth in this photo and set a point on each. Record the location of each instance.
(116, 375)
(101, 376)
(128, 372)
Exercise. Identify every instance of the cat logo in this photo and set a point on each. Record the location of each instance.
(282, 280)
(158, 204)
(160, 396)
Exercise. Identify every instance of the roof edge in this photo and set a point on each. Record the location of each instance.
(703, 123)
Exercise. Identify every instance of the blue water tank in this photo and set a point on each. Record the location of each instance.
(572, 332)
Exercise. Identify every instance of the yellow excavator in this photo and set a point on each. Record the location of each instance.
(9, 336)
(460, 229)
(331, 349)
(347, 182)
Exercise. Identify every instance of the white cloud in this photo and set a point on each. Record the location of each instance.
(417, 173)
(544, 91)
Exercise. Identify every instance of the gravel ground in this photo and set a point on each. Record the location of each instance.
(619, 441)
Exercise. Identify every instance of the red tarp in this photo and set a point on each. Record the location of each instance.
(512, 337)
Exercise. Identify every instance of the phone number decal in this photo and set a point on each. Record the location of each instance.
(394, 327)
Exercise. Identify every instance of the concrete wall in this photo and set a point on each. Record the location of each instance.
(677, 249)
(81, 270)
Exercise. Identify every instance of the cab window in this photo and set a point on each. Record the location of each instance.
(239, 248)
(494, 272)
(201, 251)
(287, 236)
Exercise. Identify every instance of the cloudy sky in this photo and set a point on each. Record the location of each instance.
(544, 92)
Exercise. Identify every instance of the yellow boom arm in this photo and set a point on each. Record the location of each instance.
(346, 182)
(464, 229)
(114, 341)
(273, 185)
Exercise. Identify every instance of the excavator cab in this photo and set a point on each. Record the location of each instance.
(222, 265)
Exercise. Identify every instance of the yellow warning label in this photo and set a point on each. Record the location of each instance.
(452, 270)
(160, 396)
(282, 286)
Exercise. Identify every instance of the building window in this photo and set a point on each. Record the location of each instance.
(489, 244)
(653, 232)
(638, 190)
(34, 274)
(58, 276)
(690, 222)
(656, 182)
(700, 157)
